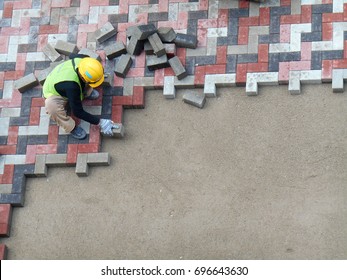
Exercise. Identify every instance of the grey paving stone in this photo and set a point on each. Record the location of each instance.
(42, 75)
(11, 66)
(21, 144)
(316, 60)
(40, 166)
(105, 32)
(311, 37)
(178, 68)
(161, 16)
(135, 46)
(25, 48)
(98, 159)
(205, 60)
(119, 18)
(274, 27)
(153, 62)
(66, 48)
(13, 199)
(3, 140)
(291, 56)
(109, 80)
(231, 63)
(192, 27)
(141, 32)
(186, 41)
(37, 139)
(82, 168)
(29, 68)
(119, 131)
(197, 15)
(62, 144)
(274, 59)
(56, 160)
(323, 8)
(115, 50)
(195, 99)
(148, 48)
(52, 53)
(123, 65)
(316, 22)
(247, 58)
(25, 83)
(106, 105)
(338, 54)
(166, 34)
(90, 53)
(157, 45)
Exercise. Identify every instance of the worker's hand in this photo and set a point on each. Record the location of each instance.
(106, 126)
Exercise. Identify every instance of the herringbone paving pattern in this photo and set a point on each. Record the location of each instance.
(240, 43)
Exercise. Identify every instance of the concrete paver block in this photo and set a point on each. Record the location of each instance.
(169, 90)
(154, 62)
(119, 131)
(42, 75)
(26, 82)
(135, 46)
(123, 65)
(221, 80)
(115, 50)
(131, 31)
(170, 50)
(66, 48)
(108, 80)
(195, 99)
(186, 41)
(82, 169)
(142, 32)
(90, 53)
(337, 80)
(98, 159)
(3, 252)
(40, 166)
(178, 68)
(52, 53)
(166, 34)
(148, 48)
(56, 160)
(5, 219)
(105, 32)
(157, 45)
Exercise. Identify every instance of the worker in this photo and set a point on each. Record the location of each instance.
(67, 85)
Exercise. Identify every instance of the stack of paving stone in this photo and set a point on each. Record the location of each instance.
(159, 46)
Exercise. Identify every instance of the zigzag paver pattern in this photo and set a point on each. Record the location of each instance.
(240, 43)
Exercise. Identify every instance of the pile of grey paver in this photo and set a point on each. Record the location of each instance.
(159, 46)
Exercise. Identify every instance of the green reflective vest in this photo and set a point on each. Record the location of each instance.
(64, 72)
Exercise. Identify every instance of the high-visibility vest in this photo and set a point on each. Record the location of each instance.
(64, 72)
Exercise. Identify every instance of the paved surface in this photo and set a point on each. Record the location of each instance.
(240, 44)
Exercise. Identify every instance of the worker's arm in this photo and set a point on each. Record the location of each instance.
(71, 91)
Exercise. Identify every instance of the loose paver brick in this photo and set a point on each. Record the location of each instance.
(108, 80)
(157, 45)
(142, 32)
(135, 46)
(178, 68)
(25, 83)
(105, 32)
(5, 219)
(82, 168)
(123, 65)
(90, 53)
(166, 34)
(154, 62)
(186, 41)
(52, 53)
(118, 131)
(66, 48)
(115, 50)
(148, 48)
(98, 159)
(195, 99)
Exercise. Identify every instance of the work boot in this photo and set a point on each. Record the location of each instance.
(78, 133)
(94, 95)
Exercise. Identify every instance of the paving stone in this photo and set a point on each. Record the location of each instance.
(108, 80)
(178, 68)
(169, 91)
(3, 252)
(153, 62)
(105, 32)
(142, 32)
(5, 219)
(90, 53)
(40, 166)
(166, 34)
(170, 50)
(42, 75)
(221, 80)
(115, 50)
(56, 160)
(186, 41)
(157, 45)
(135, 46)
(338, 80)
(123, 65)
(119, 131)
(26, 83)
(98, 159)
(51, 53)
(13, 199)
(148, 48)
(82, 168)
(195, 99)
(66, 48)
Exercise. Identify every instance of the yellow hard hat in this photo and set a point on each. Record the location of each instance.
(91, 71)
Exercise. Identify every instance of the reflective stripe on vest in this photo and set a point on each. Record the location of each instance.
(64, 72)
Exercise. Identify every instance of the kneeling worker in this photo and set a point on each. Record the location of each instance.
(68, 84)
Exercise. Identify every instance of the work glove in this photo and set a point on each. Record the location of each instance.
(106, 126)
